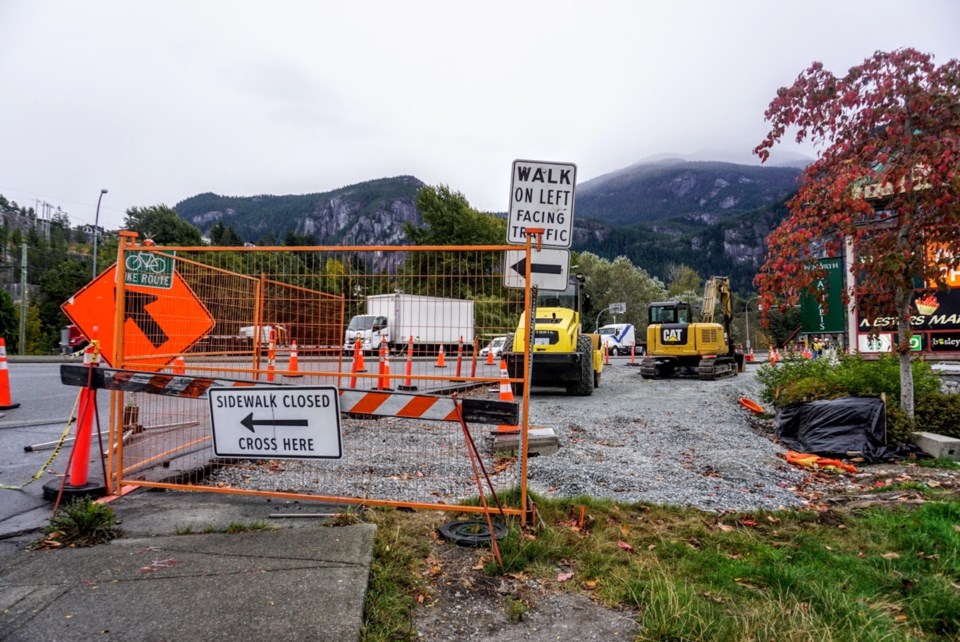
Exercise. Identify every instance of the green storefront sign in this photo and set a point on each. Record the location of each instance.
(149, 270)
(827, 317)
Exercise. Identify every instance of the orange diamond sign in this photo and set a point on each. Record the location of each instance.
(158, 324)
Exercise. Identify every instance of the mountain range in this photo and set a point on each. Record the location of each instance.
(712, 216)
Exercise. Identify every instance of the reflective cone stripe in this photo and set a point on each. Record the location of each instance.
(441, 361)
(506, 394)
(5, 402)
(293, 366)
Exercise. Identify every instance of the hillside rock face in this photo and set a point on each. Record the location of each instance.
(371, 213)
(714, 217)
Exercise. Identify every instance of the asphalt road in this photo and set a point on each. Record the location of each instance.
(45, 406)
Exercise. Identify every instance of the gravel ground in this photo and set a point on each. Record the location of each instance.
(674, 441)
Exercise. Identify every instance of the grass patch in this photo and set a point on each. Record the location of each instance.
(940, 462)
(82, 522)
(879, 574)
(400, 546)
(247, 527)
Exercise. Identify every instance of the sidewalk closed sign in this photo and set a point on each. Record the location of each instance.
(283, 422)
(541, 196)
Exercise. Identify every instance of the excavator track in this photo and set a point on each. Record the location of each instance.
(712, 369)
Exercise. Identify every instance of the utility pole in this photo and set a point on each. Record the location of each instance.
(24, 299)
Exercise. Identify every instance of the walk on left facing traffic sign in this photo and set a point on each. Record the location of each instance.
(278, 422)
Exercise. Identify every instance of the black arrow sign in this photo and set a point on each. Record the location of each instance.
(249, 422)
(135, 308)
(536, 268)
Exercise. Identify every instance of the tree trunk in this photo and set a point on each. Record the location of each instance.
(904, 333)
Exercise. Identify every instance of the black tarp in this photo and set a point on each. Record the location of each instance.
(837, 428)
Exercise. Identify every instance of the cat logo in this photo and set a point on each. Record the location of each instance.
(671, 335)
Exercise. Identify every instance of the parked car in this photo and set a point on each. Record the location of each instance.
(495, 346)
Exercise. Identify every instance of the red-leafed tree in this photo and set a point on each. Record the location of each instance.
(887, 177)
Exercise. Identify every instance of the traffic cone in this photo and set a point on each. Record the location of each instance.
(293, 367)
(770, 355)
(5, 402)
(506, 394)
(271, 360)
(490, 361)
(606, 355)
(383, 381)
(358, 365)
(441, 361)
(749, 357)
(408, 382)
(179, 366)
(633, 355)
(77, 482)
(459, 361)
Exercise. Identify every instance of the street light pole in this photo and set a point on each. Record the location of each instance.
(96, 229)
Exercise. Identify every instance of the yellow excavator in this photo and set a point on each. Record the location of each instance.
(677, 346)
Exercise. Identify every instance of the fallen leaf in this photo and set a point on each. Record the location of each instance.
(563, 577)
(622, 544)
(591, 584)
(749, 523)
(726, 528)
(890, 556)
(900, 618)
(714, 598)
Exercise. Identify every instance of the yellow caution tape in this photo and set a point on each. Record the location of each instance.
(56, 451)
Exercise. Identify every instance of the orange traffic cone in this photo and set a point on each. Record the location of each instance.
(358, 364)
(506, 394)
(271, 360)
(408, 382)
(749, 357)
(179, 366)
(5, 402)
(383, 381)
(441, 361)
(606, 355)
(490, 358)
(770, 358)
(293, 366)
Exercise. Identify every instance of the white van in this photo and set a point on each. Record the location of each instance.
(619, 338)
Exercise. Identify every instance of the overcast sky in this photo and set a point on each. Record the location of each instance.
(159, 101)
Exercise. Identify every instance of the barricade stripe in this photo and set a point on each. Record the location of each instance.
(363, 402)
(416, 407)
(367, 404)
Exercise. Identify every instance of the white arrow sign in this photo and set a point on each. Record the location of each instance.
(549, 269)
(284, 422)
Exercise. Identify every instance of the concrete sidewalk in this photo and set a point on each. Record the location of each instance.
(299, 580)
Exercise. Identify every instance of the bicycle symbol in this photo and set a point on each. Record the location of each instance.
(146, 262)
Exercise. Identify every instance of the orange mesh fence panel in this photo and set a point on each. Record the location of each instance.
(328, 301)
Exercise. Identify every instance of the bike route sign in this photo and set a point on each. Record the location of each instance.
(149, 269)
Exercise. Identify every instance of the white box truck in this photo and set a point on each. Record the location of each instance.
(619, 338)
(394, 318)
